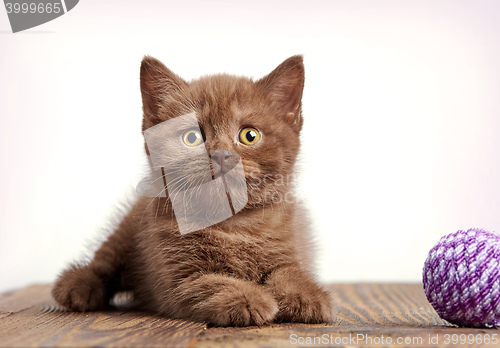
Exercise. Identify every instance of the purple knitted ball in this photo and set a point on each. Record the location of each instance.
(462, 278)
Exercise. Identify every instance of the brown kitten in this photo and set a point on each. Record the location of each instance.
(250, 269)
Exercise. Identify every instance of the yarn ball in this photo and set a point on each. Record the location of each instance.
(461, 278)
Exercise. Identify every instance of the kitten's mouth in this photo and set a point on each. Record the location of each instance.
(221, 171)
(218, 174)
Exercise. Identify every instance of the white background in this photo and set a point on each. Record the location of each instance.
(401, 142)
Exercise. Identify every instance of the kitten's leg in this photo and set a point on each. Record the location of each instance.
(223, 301)
(300, 298)
(89, 287)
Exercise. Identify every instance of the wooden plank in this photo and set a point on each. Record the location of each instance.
(386, 304)
(32, 319)
(17, 300)
(49, 327)
(375, 315)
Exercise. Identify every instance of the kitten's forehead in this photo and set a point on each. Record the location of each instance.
(220, 120)
(223, 100)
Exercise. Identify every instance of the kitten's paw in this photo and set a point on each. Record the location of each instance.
(312, 306)
(79, 289)
(234, 307)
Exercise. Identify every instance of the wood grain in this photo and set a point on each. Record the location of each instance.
(374, 315)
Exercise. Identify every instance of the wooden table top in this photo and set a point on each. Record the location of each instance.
(373, 315)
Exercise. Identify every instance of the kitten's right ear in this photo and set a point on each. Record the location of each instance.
(157, 81)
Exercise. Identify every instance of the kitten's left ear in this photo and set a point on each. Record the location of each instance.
(285, 86)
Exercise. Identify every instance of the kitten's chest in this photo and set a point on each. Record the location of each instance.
(240, 256)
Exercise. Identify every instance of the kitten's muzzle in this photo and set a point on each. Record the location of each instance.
(223, 161)
(220, 156)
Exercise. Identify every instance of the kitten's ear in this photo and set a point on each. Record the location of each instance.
(285, 85)
(157, 81)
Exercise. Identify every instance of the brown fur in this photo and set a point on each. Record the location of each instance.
(251, 269)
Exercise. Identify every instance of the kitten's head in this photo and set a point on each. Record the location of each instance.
(226, 120)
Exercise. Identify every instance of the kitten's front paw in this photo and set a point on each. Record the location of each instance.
(79, 289)
(238, 308)
(312, 306)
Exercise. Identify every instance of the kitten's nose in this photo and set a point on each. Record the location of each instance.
(220, 156)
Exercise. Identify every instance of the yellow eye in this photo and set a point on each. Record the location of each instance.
(249, 136)
(192, 137)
